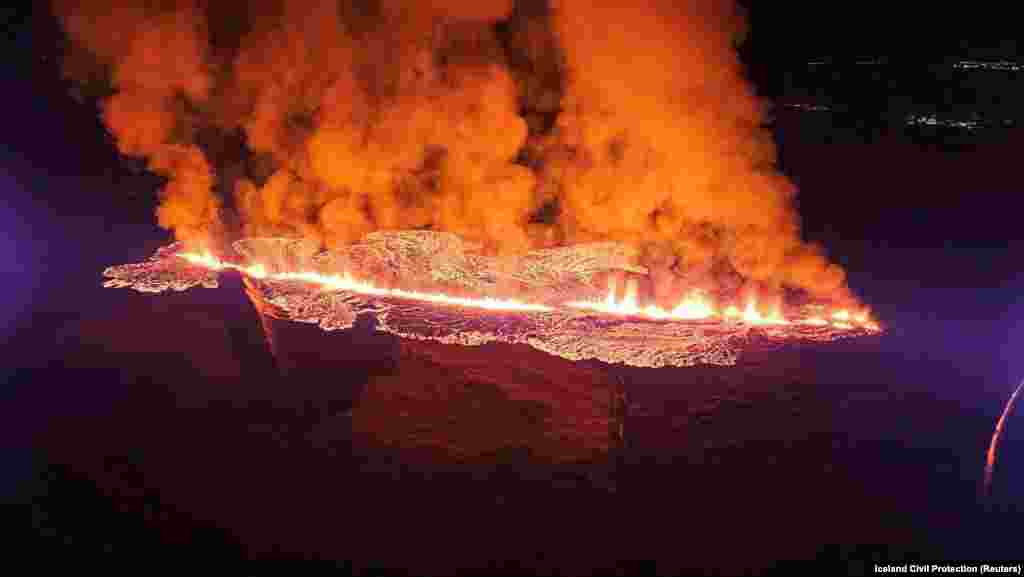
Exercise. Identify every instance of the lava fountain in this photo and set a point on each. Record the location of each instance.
(450, 292)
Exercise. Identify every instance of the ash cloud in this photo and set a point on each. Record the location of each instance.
(155, 61)
(518, 125)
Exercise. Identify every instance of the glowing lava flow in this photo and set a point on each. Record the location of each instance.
(815, 322)
(347, 283)
(990, 457)
(695, 306)
(753, 316)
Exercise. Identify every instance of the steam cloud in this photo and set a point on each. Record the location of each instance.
(515, 124)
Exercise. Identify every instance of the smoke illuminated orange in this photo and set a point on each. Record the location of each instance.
(652, 118)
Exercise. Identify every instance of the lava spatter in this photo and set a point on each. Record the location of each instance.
(559, 307)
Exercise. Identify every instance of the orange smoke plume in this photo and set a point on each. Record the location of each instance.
(661, 142)
(156, 63)
(515, 124)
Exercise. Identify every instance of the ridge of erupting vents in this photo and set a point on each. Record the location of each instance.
(452, 298)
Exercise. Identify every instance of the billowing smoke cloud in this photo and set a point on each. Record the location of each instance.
(660, 142)
(156, 65)
(514, 124)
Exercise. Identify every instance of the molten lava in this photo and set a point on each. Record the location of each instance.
(697, 306)
(347, 283)
(694, 306)
(560, 308)
(993, 447)
(753, 316)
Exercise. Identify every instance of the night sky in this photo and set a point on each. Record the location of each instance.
(925, 222)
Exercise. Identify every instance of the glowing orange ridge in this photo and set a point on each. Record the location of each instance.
(347, 283)
(695, 306)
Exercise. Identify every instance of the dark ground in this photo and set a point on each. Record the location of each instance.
(135, 427)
